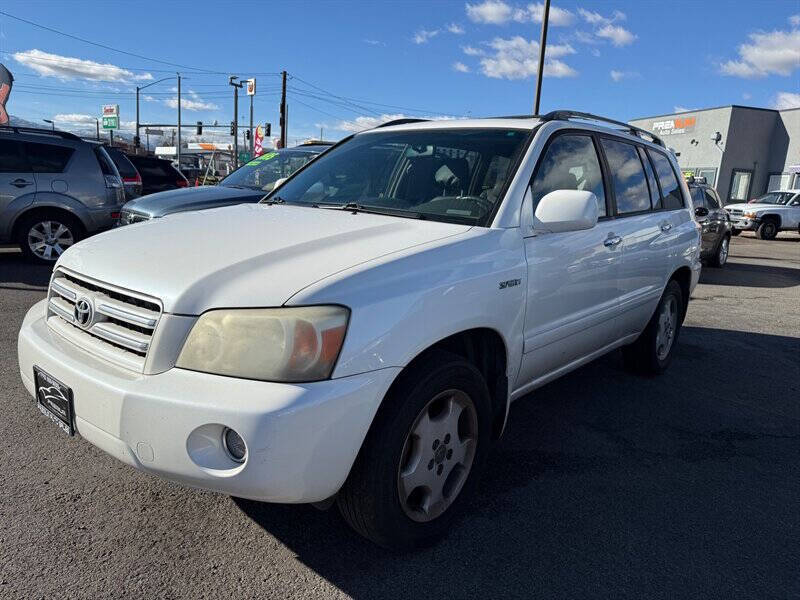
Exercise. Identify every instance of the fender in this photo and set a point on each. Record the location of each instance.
(63, 202)
(11, 212)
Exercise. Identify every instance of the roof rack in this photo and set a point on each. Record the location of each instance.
(400, 122)
(63, 134)
(566, 115)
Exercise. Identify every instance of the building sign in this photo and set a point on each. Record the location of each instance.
(675, 126)
(258, 141)
(111, 116)
(251, 87)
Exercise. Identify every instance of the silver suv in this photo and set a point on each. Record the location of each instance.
(55, 189)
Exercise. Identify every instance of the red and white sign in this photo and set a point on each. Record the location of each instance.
(251, 87)
(111, 110)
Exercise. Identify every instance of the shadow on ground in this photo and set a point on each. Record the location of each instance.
(747, 275)
(17, 273)
(611, 485)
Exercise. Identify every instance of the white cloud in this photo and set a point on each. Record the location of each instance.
(618, 76)
(423, 35)
(773, 53)
(595, 52)
(794, 20)
(364, 122)
(746, 96)
(66, 67)
(517, 58)
(784, 100)
(455, 28)
(619, 36)
(680, 109)
(497, 12)
(75, 118)
(492, 12)
(460, 67)
(193, 102)
(147, 98)
(374, 42)
(472, 51)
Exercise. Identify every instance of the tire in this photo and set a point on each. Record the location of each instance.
(382, 498)
(645, 356)
(721, 255)
(735, 232)
(55, 231)
(767, 230)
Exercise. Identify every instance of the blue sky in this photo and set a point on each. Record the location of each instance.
(353, 63)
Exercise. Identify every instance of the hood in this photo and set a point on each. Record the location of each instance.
(751, 207)
(193, 198)
(249, 255)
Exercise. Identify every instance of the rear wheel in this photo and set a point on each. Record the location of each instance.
(721, 257)
(44, 237)
(767, 230)
(423, 455)
(652, 352)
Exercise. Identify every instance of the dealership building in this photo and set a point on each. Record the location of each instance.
(740, 150)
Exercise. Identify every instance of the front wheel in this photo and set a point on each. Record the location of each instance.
(652, 352)
(767, 230)
(423, 455)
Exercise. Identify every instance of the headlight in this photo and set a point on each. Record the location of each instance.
(270, 344)
(749, 215)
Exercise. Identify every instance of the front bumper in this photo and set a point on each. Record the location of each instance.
(301, 439)
(744, 223)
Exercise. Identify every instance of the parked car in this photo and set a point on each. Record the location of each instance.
(715, 222)
(131, 180)
(54, 190)
(157, 174)
(249, 183)
(769, 214)
(359, 335)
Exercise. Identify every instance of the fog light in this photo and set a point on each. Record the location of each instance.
(234, 444)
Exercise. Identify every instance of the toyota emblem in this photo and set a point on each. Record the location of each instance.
(84, 313)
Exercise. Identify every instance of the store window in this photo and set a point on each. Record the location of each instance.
(740, 186)
(779, 181)
(709, 173)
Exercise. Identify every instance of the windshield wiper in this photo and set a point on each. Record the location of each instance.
(355, 207)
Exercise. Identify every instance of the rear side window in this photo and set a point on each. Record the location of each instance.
(670, 189)
(627, 175)
(124, 166)
(655, 196)
(105, 165)
(11, 158)
(152, 168)
(698, 198)
(48, 158)
(570, 163)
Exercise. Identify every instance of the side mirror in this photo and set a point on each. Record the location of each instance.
(700, 211)
(566, 210)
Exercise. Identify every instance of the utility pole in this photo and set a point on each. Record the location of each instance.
(542, 45)
(284, 124)
(135, 147)
(252, 137)
(111, 137)
(232, 81)
(97, 122)
(179, 121)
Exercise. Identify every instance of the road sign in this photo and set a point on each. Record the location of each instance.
(111, 110)
(244, 157)
(154, 131)
(111, 122)
(251, 87)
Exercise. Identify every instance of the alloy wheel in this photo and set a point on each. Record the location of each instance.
(667, 325)
(48, 239)
(437, 455)
(723, 251)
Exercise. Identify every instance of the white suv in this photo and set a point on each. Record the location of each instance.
(360, 334)
(767, 215)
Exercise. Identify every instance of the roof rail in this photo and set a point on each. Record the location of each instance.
(566, 115)
(62, 134)
(400, 122)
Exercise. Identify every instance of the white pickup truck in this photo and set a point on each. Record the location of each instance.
(767, 215)
(359, 335)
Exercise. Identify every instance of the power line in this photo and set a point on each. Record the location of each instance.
(319, 110)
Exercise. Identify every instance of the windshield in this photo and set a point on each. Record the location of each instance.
(262, 172)
(773, 198)
(456, 175)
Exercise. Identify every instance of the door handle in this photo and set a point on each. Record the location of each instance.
(666, 227)
(612, 241)
(20, 183)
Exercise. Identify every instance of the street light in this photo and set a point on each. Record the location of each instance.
(236, 86)
(51, 123)
(137, 102)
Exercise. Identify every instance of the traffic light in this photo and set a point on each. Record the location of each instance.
(137, 141)
(268, 130)
(233, 128)
(247, 134)
(199, 128)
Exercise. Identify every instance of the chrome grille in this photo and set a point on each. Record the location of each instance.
(119, 326)
(736, 212)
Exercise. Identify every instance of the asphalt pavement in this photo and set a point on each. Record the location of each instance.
(605, 485)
